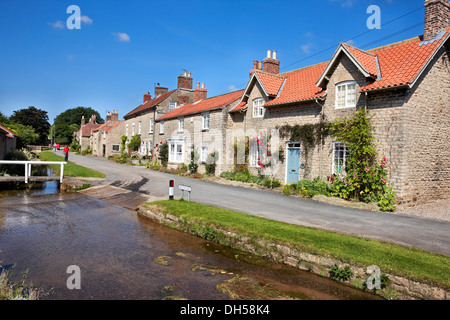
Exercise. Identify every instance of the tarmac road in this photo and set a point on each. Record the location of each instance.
(413, 231)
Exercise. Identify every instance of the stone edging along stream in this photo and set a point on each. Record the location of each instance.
(399, 288)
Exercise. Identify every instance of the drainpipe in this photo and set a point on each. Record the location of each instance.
(365, 101)
(320, 145)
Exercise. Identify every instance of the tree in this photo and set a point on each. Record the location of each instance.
(135, 143)
(36, 118)
(68, 122)
(25, 134)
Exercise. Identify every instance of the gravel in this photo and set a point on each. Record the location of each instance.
(438, 209)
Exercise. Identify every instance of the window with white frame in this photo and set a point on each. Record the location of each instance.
(176, 150)
(172, 105)
(132, 129)
(253, 153)
(258, 108)
(161, 127)
(140, 127)
(115, 148)
(205, 121)
(346, 94)
(180, 124)
(204, 152)
(340, 156)
(152, 125)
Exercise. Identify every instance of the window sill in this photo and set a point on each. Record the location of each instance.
(346, 107)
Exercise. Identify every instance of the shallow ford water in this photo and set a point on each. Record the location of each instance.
(115, 249)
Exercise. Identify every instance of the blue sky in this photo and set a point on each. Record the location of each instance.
(124, 48)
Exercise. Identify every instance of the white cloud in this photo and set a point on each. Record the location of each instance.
(232, 88)
(57, 25)
(306, 48)
(122, 37)
(86, 20)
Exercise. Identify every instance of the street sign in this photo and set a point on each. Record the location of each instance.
(185, 188)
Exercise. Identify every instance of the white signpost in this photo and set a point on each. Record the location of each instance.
(183, 189)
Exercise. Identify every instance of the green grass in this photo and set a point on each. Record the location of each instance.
(71, 169)
(391, 258)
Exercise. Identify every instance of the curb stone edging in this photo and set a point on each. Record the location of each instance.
(404, 288)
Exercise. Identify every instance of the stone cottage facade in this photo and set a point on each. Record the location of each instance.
(141, 120)
(201, 124)
(106, 140)
(405, 87)
(84, 134)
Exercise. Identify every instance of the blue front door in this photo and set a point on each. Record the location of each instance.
(293, 165)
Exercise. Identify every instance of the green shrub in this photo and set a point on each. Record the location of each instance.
(340, 274)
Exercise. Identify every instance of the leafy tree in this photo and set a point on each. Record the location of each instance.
(3, 119)
(25, 134)
(135, 143)
(36, 118)
(68, 122)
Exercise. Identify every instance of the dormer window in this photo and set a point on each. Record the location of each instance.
(258, 109)
(346, 95)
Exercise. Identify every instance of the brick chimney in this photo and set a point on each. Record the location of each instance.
(83, 122)
(437, 17)
(160, 90)
(108, 117)
(147, 97)
(114, 116)
(271, 64)
(200, 93)
(185, 81)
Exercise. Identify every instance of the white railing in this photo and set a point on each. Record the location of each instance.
(29, 163)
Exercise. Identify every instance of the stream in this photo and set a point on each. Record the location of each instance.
(123, 256)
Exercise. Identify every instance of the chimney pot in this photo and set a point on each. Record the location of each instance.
(203, 85)
(189, 74)
(274, 55)
(268, 54)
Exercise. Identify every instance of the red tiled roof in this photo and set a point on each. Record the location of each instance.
(401, 62)
(101, 126)
(149, 104)
(300, 85)
(203, 105)
(88, 127)
(8, 132)
(271, 82)
(109, 128)
(366, 59)
(240, 106)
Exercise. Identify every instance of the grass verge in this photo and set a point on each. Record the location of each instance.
(391, 258)
(71, 169)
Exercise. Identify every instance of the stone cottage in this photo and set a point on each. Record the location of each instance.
(141, 120)
(84, 134)
(201, 124)
(404, 86)
(106, 140)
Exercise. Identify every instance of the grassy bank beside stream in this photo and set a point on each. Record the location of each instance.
(205, 221)
(71, 169)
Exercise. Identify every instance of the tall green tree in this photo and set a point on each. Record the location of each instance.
(36, 118)
(67, 122)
